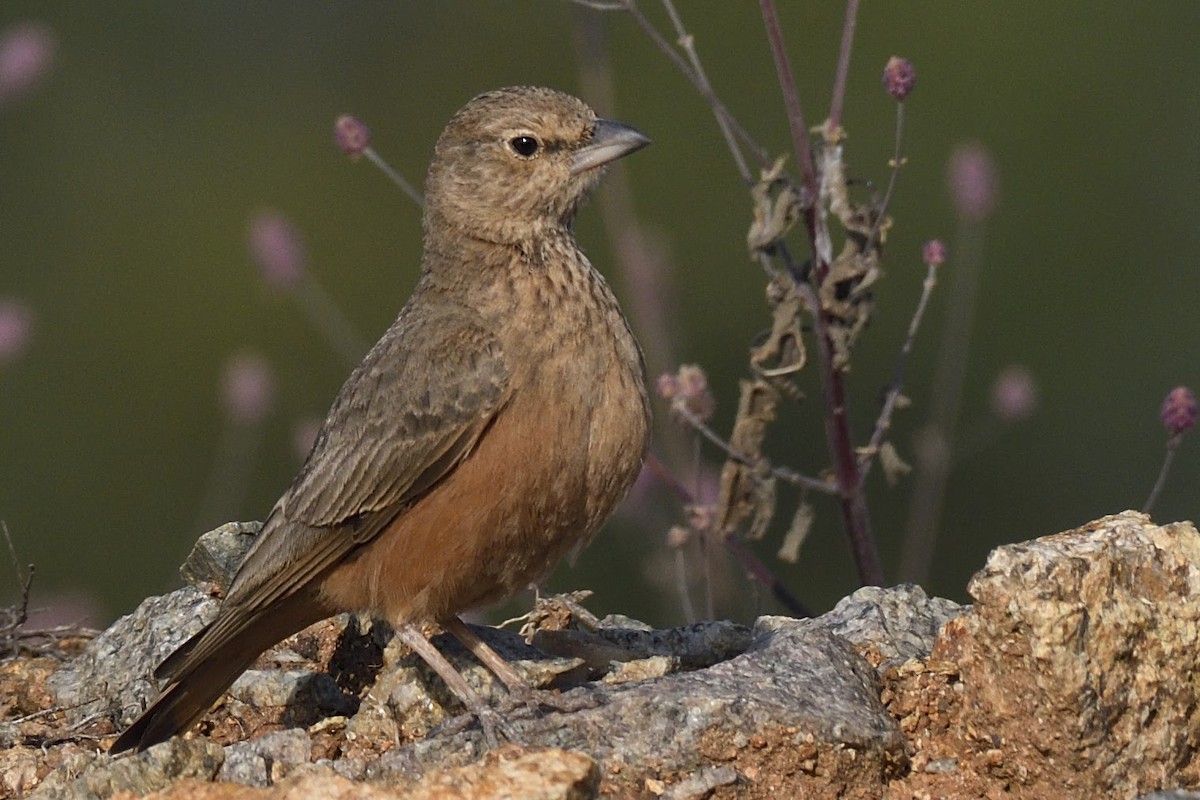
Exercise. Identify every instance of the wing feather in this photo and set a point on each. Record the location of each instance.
(414, 408)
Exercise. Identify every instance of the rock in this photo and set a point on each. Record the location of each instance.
(155, 768)
(216, 556)
(900, 622)
(619, 639)
(265, 760)
(113, 676)
(799, 693)
(1073, 675)
(1080, 656)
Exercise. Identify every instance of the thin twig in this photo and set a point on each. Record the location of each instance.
(937, 439)
(897, 162)
(843, 65)
(14, 617)
(884, 423)
(394, 175)
(759, 571)
(601, 5)
(782, 473)
(1172, 448)
(702, 86)
(330, 321)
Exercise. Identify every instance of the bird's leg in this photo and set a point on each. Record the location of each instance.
(516, 684)
(488, 720)
(521, 691)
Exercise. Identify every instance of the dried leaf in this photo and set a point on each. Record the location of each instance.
(741, 494)
(783, 352)
(797, 532)
(764, 505)
(777, 206)
(894, 467)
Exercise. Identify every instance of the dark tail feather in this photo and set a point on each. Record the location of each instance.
(182, 703)
(207, 664)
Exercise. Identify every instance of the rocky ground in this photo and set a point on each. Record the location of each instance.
(1072, 675)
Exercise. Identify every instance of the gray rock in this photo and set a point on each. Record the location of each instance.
(141, 773)
(267, 759)
(217, 555)
(305, 696)
(114, 675)
(902, 622)
(795, 676)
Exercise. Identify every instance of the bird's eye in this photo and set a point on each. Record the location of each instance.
(524, 146)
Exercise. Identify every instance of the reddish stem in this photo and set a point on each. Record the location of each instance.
(843, 65)
(838, 435)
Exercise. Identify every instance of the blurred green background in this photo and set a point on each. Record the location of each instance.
(130, 173)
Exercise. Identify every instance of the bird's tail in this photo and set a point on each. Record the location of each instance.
(203, 667)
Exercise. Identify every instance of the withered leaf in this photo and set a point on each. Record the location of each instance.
(776, 207)
(797, 532)
(783, 351)
(894, 467)
(742, 495)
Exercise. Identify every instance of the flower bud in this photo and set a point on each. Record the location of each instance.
(277, 250)
(248, 388)
(899, 77)
(16, 328)
(934, 253)
(972, 181)
(1178, 412)
(351, 135)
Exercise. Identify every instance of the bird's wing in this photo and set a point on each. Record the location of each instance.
(413, 409)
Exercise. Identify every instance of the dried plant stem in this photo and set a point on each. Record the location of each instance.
(936, 441)
(897, 162)
(12, 618)
(1172, 448)
(395, 176)
(791, 97)
(843, 65)
(884, 423)
(761, 573)
(833, 388)
(841, 447)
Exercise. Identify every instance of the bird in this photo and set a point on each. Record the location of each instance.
(489, 432)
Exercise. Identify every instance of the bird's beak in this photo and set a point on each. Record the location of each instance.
(610, 140)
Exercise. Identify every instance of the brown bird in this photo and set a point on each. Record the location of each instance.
(491, 429)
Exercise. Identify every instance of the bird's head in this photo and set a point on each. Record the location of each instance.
(515, 162)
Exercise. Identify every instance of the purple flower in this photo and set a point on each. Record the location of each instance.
(1014, 394)
(351, 135)
(277, 250)
(899, 77)
(934, 253)
(248, 388)
(16, 328)
(1178, 412)
(26, 53)
(971, 176)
